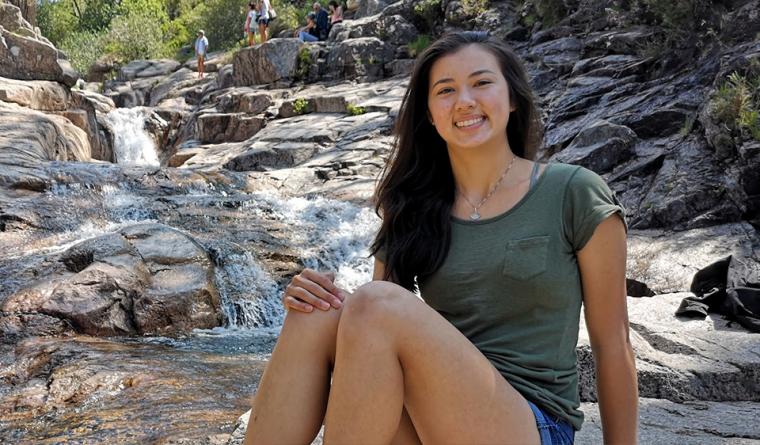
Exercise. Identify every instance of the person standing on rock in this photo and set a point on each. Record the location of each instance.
(201, 47)
(503, 250)
(250, 23)
(264, 8)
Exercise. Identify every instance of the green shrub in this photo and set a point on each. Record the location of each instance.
(551, 11)
(300, 105)
(136, 36)
(288, 16)
(83, 48)
(354, 110)
(418, 45)
(736, 104)
(474, 8)
(429, 11)
(304, 63)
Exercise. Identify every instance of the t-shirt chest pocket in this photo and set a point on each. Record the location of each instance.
(526, 258)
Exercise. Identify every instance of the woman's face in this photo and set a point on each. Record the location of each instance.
(468, 98)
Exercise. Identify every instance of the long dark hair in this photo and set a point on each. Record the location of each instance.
(416, 190)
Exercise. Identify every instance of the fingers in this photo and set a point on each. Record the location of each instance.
(293, 303)
(325, 280)
(311, 289)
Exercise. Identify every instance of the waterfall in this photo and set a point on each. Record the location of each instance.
(132, 144)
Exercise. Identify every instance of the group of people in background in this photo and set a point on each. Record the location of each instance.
(260, 12)
(319, 23)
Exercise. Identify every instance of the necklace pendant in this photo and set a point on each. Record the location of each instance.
(474, 216)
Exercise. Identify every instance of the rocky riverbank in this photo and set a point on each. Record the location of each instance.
(149, 223)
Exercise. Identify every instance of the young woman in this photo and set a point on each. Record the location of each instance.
(503, 250)
(263, 19)
(250, 23)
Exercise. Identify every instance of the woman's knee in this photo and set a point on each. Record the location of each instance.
(317, 324)
(376, 301)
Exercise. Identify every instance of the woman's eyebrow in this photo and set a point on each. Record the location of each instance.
(473, 74)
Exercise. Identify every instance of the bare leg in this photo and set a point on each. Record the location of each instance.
(263, 32)
(394, 351)
(290, 404)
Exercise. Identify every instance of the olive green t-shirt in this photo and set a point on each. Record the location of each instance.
(512, 286)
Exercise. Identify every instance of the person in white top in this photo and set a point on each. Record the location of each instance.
(250, 23)
(201, 47)
(264, 8)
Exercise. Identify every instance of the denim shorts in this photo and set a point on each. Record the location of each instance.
(552, 429)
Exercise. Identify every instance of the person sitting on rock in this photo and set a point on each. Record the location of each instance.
(309, 32)
(250, 23)
(322, 20)
(201, 47)
(337, 12)
(503, 251)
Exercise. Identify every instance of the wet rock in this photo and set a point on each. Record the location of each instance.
(266, 157)
(232, 127)
(15, 327)
(600, 147)
(275, 60)
(144, 279)
(361, 58)
(38, 94)
(95, 106)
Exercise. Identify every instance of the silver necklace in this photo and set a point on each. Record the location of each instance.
(475, 215)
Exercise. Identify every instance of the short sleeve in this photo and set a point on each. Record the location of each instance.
(588, 201)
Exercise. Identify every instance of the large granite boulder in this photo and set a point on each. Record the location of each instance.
(228, 127)
(275, 60)
(393, 29)
(39, 95)
(26, 58)
(143, 279)
(600, 147)
(147, 68)
(28, 9)
(12, 19)
(95, 107)
(360, 58)
(28, 135)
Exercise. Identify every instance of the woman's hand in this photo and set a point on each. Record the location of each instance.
(310, 289)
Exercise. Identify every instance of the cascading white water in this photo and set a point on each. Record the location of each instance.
(132, 144)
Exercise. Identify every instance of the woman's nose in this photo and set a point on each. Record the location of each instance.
(465, 100)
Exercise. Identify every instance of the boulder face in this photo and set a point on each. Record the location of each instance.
(31, 136)
(362, 58)
(275, 60)
(25, 55)
(144, 279)
(28, 9)
(600, 147)
(38, 94)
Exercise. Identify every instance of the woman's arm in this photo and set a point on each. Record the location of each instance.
(602, 266)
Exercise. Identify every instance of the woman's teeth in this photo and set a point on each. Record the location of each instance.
(469, 122)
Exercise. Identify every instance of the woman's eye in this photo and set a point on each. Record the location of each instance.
(482, 82)
(445, 90)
